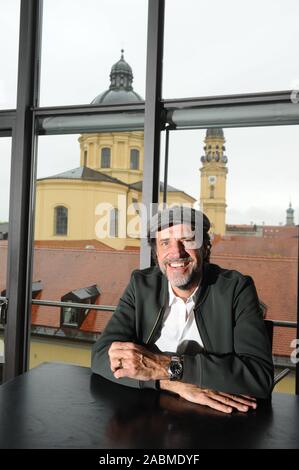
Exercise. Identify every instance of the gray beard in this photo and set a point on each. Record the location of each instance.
(184, 282)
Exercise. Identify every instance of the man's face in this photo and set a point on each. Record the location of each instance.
(178, 256)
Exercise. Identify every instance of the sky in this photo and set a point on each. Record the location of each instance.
(211, 48)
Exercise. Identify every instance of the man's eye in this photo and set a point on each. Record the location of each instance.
(164, 243)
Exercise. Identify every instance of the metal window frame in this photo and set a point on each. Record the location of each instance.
(152, 117)
(27, 121)
(17, 331)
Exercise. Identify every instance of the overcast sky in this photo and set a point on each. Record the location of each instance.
(211, 47)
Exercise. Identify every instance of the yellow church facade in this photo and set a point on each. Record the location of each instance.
(85, 204)
(101, 198)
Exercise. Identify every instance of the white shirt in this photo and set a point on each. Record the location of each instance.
(179, 326)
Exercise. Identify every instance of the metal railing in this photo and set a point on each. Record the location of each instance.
(112, 308)
(52, 303)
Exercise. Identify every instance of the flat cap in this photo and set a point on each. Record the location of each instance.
(177, 215)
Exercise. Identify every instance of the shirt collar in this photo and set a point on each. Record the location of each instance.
(173, 297)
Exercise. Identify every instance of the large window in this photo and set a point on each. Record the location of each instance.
(9, 35)
(77, 57)
(230, 47)
(232, 148)
(238, 177)
(92, 247)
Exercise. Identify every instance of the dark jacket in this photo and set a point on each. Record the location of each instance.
(236, 357)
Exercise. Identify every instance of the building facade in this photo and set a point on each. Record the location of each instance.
(100, 199)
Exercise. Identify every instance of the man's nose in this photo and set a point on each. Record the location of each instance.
(177, 249)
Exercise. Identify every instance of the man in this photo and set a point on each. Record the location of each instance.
(188, 326)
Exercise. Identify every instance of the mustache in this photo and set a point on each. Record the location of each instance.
(177, 260)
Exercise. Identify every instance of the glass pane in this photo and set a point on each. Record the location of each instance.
(89, 259)
(5, 155)
(9, 45)
(82, 41)
(245, 180)
(216, 47)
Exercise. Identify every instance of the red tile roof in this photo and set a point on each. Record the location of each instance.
(256, 246)
(64, 269)
(284, 231)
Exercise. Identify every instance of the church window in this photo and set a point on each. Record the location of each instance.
(60, 220)
(105, 157)
(212, 192)
(113, 231)
(134, 159)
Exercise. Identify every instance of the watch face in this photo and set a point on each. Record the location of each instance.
(175, 369)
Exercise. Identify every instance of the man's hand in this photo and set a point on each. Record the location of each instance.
(224, 402)
(136, 362)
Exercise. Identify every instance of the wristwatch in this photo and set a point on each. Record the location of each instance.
(175, 368)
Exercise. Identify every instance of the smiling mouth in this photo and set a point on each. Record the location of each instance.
(178, 264)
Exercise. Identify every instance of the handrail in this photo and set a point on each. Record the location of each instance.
(52, 303)
(112, 308)
(284, 324)
(281, 375)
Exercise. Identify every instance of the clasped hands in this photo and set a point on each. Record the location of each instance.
(137, 362)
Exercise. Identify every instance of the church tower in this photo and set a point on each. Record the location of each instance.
(213, 180)
(290, 216)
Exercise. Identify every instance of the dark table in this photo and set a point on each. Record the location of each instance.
(65, 406)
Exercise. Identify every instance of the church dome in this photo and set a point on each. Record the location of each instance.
(121, 66)
(121, 89)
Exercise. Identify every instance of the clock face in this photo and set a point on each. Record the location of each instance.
(212, 179)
